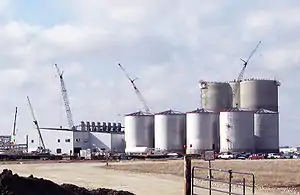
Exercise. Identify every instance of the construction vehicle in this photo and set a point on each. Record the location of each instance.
(137, 91)
(41, 150)
(65, 98)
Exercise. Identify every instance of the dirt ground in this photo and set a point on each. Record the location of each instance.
(95, 175)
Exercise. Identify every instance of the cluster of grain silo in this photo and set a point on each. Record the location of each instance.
(164, 130)
(249, 119)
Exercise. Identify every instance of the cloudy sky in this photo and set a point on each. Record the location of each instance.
(169, 45)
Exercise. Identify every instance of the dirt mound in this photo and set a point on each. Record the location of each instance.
(99, 191)
(12, 184)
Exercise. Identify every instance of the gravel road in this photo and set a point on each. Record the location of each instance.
(91, 175)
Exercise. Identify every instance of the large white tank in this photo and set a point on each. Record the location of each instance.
(256, 94)
(237, 131)
(200, 131)
(266, 131)
(170, 131)
(139, 130)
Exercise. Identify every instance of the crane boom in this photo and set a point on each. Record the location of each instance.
(13, 137)
(137, 91)
(241, 74)
(65, 98)
(36, 123)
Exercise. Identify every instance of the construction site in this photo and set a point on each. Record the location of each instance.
(237, 120)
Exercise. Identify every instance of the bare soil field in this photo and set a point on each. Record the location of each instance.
(282, 175)
(147, 177)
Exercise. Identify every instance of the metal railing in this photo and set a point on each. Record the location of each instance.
(229, 179)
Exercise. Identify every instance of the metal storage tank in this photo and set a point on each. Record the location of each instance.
(200, 131)
(82, 125)
(256, 94)
(98, 126)
(236, 130)
(215, 96)
(93, 126)
(266, 131)
(139, 130)
(170, 131)
(88, 126)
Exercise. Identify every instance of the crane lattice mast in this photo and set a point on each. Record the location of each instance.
(36, 124)
(137, 91)
(13, 136)
(241, 75)
(65, 98)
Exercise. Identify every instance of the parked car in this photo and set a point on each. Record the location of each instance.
(275, 156)
(242, 156)
(226, 156)
(288, 156)
(256, 156)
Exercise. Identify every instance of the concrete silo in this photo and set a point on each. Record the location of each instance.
(170, 131)
(256, 94)
(266, 131)
(139, 130)
(200, 131)
(215, 96)
(236, 131)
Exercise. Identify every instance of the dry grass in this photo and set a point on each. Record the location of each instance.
(268, 173)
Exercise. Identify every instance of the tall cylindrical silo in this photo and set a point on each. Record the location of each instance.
(237, 131)
(256, 94)
(215, 96)
(200, 125)
(266, 131)
(170, 131)
(139, 130)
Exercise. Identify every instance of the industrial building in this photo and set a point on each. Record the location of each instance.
(66, 141)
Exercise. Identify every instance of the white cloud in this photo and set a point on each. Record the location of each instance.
(169, 45)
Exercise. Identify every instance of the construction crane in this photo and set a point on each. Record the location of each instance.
(241, 75)
(37, 126)
(65, 99)
(13, 136)
(137, 91)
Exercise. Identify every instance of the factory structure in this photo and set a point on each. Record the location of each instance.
(105, 137)
(237, 116)
(102, 138)
(220, 125)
